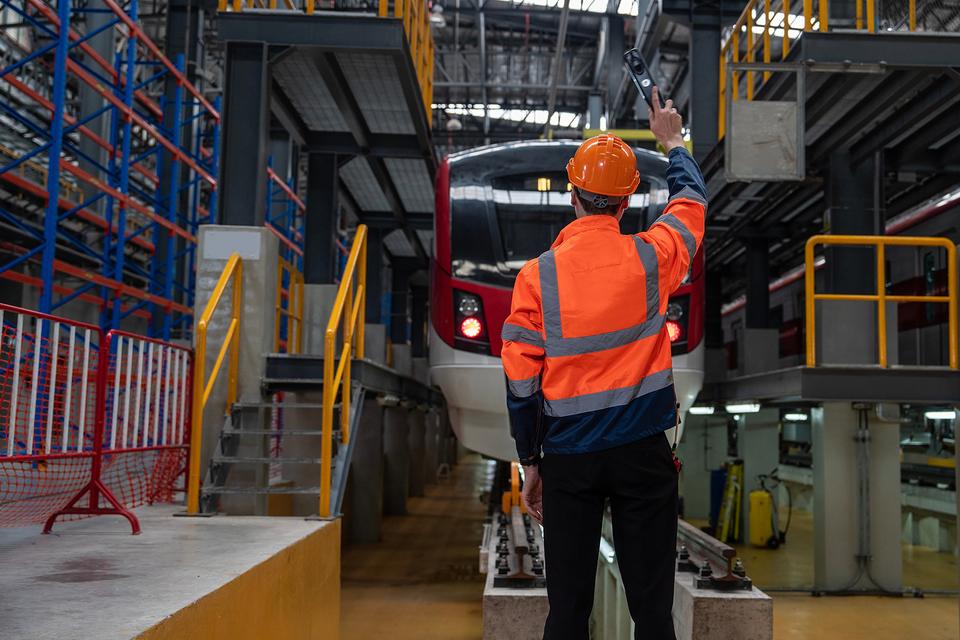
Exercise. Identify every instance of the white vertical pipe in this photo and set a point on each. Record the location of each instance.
(164, 430)
(83, 388)
(185, 368)
(126, 398)
(173, 411)
(65, 440)
(146, 410)
(52, 395)
(15, 389)
(117, 365)
(156, 409)
(33, 385)
(136, 405)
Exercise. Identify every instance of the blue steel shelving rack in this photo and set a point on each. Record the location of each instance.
(145, 192)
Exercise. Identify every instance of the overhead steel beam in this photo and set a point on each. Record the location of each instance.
(288, 116)
(357, 32)
(522, 86)
(381, 145)
(336, 82)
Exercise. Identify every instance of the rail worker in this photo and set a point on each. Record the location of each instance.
(590, 381)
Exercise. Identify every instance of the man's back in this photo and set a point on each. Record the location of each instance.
(588, 318)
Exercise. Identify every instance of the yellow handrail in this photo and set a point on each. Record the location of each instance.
(232, 272)
(881, 297)
(748, 35)
(293, 311)
(347, 314)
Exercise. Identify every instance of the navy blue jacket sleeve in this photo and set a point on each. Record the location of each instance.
(525, 424)
(684, 173)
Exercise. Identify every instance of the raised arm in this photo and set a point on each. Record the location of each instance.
(677, 233)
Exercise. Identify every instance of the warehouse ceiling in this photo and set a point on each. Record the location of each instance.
(508, 70)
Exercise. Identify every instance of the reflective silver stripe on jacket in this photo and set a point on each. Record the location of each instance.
(550, 296)
(557, 345)
(516, 333)
(673, 221)
(524, 388)
(606, 399)
(689, 193)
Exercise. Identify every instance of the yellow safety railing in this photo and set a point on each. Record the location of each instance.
(293, 311)
(415, 15)
(416, 24)
(202, 384)
(881, 297)
(767, 30)
(347, 319)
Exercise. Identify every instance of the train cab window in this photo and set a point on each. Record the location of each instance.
(525, 212)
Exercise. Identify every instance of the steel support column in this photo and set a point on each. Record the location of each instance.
(614, 56)
(758, 279)
(704, 82)
(93, 157)
(418, 321)
(280, 151)
(246, 118)
(184, 34)
(854, 207)
(319, 248)
(374, 274)
(713, 335)
(399, 308)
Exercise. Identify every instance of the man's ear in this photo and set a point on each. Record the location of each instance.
(623, 207)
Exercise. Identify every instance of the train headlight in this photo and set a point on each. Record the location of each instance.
(471, 328)
(674, 311)
(469, 305)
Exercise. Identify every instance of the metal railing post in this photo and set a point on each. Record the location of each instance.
(810, 302)
(881, 305)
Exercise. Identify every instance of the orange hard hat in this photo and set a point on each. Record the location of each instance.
(605, 165)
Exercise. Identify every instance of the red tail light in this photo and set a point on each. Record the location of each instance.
(674, 330)
(471, 328)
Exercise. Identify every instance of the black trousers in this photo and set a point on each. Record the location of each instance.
(640, 481)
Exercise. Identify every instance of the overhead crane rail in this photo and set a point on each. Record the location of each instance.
(140, 174)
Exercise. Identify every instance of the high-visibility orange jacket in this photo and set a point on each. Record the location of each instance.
(585, 348)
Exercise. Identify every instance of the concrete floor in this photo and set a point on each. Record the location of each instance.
(798, 616)
(791, 566)
(422, 581)
(92, 579)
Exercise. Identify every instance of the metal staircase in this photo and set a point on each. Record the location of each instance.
(249, 459)
(247, 450)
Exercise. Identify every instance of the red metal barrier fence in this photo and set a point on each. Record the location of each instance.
(90, 423)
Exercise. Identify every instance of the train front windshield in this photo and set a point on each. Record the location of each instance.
(497, 227)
